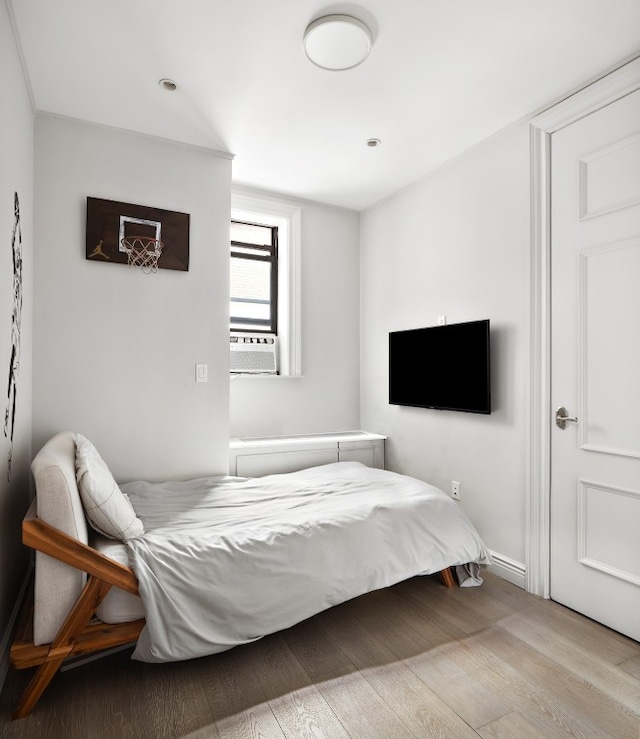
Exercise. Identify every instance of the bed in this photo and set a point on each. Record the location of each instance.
(187, 569)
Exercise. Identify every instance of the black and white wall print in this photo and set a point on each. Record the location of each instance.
(16, 317)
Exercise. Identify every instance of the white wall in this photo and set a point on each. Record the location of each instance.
(326, 397)
(16, 175)
(115, 349)
(457, 244)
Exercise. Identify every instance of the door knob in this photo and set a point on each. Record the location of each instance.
(562, 418)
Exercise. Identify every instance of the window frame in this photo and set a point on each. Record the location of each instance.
(259, 209)
(270, 256)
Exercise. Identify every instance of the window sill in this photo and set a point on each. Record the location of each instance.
(254, 376)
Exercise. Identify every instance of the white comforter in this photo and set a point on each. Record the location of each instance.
(224, 561)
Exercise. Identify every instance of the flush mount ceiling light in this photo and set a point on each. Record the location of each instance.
(337, 42)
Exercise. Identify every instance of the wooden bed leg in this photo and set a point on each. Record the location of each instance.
(38, 685)
(447, 578)
(90, 598)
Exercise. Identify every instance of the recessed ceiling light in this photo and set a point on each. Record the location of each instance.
(337, 42)
(374, 142)
(167, 84)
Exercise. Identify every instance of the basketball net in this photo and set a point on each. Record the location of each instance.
(143, 252)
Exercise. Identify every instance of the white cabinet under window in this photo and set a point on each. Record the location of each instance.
(258, 456)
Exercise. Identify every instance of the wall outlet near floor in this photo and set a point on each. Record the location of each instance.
(455, 490)
(442, 320)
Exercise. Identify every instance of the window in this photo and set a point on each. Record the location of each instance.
(254, 277)
(265, 274)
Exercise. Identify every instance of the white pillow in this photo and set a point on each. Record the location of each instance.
(108, 509)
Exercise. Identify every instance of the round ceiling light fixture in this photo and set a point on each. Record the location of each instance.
(337, 42)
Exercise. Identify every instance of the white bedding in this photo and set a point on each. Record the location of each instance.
(224, 561)
(118, 606)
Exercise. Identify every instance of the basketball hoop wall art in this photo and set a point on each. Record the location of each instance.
(142, 237)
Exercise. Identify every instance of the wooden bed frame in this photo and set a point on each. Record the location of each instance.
(81, 633)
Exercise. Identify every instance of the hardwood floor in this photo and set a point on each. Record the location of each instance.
(413, 661)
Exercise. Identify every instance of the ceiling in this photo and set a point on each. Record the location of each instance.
(441, 77)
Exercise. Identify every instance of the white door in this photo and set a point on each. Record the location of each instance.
(595, 359)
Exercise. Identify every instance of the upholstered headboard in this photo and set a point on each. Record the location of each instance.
(58, 503)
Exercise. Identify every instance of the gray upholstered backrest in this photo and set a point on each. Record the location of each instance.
(57, 585)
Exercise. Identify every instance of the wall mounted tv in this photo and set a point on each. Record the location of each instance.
(443, 367)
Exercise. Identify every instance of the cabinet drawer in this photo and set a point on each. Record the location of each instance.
(268, 463)
(370, 453)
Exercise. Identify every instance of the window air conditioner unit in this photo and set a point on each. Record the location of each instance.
(253, 354)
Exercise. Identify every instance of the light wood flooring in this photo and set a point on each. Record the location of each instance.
(413, 661)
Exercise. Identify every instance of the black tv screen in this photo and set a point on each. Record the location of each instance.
(442, 367)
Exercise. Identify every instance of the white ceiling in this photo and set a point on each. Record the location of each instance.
(442, 76)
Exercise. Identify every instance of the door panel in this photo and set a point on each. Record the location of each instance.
(601, 510)
(609, 178)
(595, 355)
(610, 306)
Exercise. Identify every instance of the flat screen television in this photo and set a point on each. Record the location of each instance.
(442, 367)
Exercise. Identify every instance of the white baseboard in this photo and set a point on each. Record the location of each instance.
(509, 569)
(5, 644)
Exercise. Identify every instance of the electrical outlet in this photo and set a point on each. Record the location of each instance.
(455, 490)
(442, 320)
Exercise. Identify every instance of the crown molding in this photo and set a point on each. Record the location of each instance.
(129, 132)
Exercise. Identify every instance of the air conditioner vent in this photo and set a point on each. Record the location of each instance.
(253, 354)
